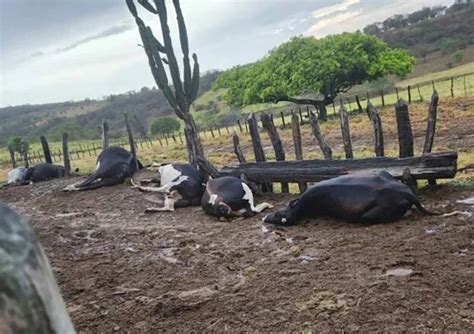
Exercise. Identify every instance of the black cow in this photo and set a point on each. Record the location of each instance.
(359, 198)
(181, 184)
(30, 301)
(228, 197)
(114, 165)
(36, 173)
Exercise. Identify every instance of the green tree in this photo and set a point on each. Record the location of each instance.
(164, 125)
(299, 69)
(15, 142)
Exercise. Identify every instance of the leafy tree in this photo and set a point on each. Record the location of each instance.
(16, 142)
(164, 125)
(298, 69)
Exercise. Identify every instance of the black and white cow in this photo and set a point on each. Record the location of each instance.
(358, 198)
(228, 197)
(17, 175)
(30, 301)
(114, 165)
(181, 184)
(36, 173)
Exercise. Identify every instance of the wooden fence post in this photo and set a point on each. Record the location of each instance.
(257, 146)
(240, 126)
(46, 151)
(105, 134)
(237, 149)
(346, 132)
(283, 119)
(301, 116)
(419, 92)
(131, 142)
(219, 131)
(383, 98)
(66, 160)
(377, 125)
(431, 128)
(212, 132)
(12, 155)
(296, 131)
(359, 106)
(24, 153)
(409, 94)
(320, 138)
(268, 125)
(452, 87)
(396, 91)
(405, 134)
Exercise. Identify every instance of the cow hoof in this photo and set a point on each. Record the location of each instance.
(71, 187)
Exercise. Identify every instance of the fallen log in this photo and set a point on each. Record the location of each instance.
(429, 166)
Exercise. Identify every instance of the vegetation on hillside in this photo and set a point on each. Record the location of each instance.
(448, 30)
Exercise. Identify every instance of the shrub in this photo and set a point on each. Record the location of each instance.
(15, 142)
(164, 125)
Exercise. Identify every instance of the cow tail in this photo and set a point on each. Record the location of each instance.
(423, 210)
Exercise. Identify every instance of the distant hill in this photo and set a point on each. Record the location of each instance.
(443, 31)
(82, 119)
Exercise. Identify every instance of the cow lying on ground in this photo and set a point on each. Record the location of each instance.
(378, 198)
(30, 301)
(17, 175)
(228, 197)
(114, 165)
(181, 184)
(36, 173)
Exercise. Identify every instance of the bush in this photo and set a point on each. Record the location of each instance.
(164, 125)
(15, 142)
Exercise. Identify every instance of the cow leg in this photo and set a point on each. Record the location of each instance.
(170, 201)
(164, 189)
(262, 206)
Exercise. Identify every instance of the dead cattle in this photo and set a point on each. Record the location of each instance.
(228, 197)
(36, 173)
(114, 165)
(30, 301)
(358, 198)
(181, 184)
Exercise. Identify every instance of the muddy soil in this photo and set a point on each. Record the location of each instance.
(127, 272)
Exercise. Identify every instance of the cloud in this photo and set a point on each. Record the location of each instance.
(351, 15)
(326, 11)
(115, 30)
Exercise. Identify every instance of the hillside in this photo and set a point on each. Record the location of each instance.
(82, 118)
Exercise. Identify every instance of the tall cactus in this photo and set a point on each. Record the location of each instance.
(183, 92)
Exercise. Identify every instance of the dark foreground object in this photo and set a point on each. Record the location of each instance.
(114, 165)
(229, 197)
(30, 301)
(358, 198)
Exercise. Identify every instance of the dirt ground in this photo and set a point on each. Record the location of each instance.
(124, 271)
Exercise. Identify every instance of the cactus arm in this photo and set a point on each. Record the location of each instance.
(148, 6)
(195, 81)
(173, 65)
(183, 37)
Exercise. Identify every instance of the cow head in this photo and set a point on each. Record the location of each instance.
(286, 216)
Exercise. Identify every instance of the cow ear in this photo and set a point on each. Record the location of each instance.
(294, 202)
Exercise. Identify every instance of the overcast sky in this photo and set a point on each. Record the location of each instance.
(59, 50)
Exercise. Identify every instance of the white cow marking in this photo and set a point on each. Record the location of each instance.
(168, 173)
(16, 175)
(98, 165)
(212, 199)
(249, 197)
